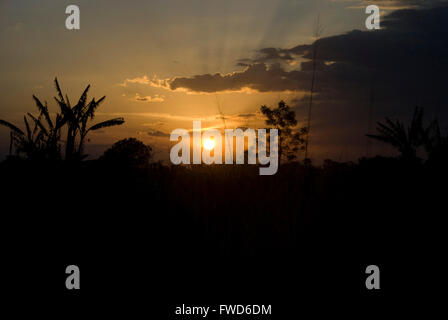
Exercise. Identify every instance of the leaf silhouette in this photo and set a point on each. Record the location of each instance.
(11, 126)
(108, 123)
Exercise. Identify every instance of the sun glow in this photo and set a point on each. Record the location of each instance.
(208, 144)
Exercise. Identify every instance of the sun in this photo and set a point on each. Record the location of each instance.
(208, 144)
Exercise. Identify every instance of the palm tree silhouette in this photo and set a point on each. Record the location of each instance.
(435, 144)
(405, 140)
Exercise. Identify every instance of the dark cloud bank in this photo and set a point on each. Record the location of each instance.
(393, 69)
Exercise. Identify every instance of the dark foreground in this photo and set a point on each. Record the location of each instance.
(148, 240)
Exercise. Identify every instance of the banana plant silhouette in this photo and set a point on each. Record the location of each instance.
(435, 144)
(30, 143)
(44, 141)
(405, 140)
(77, 118)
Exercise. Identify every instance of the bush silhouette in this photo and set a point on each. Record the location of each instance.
(128, 152)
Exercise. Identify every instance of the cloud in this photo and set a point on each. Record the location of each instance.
(140, 80)
(394, 4)
(267, 55)
(157, 133)
(155, 98)
(405, 50)
(155, 123)
(258, 77)
(164, 117)
(144, 80)
(247, 115)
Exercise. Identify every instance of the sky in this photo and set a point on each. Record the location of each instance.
(163, 63)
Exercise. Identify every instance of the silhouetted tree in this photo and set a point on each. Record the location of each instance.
(283, 119)
(129, 152)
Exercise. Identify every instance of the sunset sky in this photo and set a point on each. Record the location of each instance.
(163, 63)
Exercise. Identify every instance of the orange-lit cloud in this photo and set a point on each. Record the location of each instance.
(257, 77)
(155, 98)
(155, 82)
